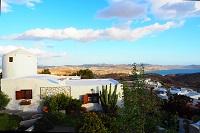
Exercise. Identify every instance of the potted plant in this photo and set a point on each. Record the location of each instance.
(25, 102)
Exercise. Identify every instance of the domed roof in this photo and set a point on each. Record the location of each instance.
(19, 51)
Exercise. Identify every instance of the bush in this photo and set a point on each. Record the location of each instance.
(179, 103)
(58, 118)
(74, 104)
(43, 124)
(57, 102)
(90, 122)
(85, 74)
(46, 71)
(4, 100)
(110, 123)
(170, 121)
(9, 122)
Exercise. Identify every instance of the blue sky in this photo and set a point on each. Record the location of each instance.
(76, 32)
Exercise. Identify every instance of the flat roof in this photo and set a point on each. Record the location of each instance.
(88, 82)
(71, 82)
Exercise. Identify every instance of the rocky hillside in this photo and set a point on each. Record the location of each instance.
(177, 80)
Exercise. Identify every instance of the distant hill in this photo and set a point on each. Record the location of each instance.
(177, 80)
(148, 67)
(182, 80)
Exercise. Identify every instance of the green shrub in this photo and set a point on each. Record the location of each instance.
(74, 104)
(110, 123)
(4, 100)
(43, 124)
(61, 102)
(57, 102)
(9, 122)
(58, 118)
(46, 71)
(89, 122)
(170, 121)
(51, 116)
(71, 120)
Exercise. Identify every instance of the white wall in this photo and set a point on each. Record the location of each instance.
(10, 85)
(78, 91)
(22, 65)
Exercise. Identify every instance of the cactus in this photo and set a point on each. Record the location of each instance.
(108, 100)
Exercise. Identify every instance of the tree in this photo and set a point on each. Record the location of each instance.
(46, 71)
(4, 100)
(141, 111)
(85, 74)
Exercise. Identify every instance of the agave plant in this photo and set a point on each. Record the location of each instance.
(108, 100)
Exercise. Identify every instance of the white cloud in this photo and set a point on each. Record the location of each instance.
(6, 7)
(45, 54)
(132, 35)
(162, 9)
(123, 9)
(38, 52)
(176, 9)
(89, 35)
(125, 25)
(147, 19)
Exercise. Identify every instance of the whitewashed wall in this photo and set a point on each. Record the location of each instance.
(22, 65)
(78, 91)
(11, 85)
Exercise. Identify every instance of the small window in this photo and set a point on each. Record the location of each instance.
(91, 98)
(10, 59)
(24, 94)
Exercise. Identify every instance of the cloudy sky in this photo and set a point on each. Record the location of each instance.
(76, 32)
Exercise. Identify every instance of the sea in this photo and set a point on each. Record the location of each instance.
(174, 71)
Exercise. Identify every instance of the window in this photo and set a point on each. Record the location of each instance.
(23, 94)
(10, 59)
(91, 98)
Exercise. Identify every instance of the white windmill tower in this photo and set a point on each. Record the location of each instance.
(18, 63)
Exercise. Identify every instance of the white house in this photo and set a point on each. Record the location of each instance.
(23, 85)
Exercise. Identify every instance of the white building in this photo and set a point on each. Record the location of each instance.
(22, 83)
(18, 63)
